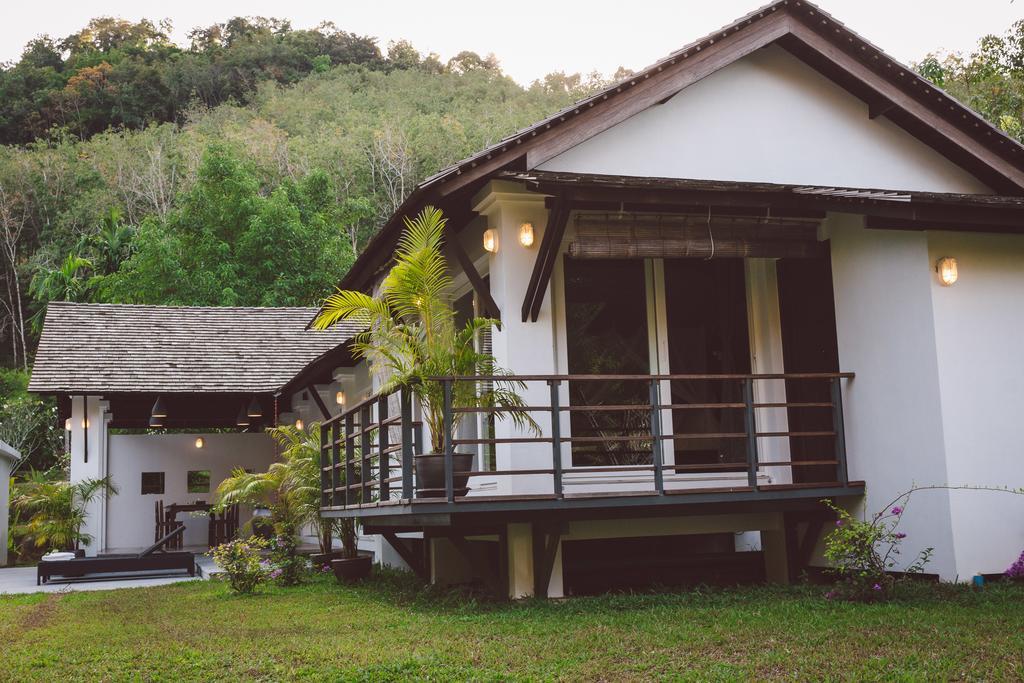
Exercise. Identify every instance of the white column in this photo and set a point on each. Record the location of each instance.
(528, 348)
(89, 461)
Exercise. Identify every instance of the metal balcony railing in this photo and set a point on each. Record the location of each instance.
(367, 452)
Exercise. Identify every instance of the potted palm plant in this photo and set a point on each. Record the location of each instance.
(411, 339)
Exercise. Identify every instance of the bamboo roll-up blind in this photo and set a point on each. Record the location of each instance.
(631, 236)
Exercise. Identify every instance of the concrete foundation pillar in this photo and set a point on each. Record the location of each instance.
(520, 561)
(776, 560)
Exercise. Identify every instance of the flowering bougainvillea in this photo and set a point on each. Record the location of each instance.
(864, 553)
(1016, 570)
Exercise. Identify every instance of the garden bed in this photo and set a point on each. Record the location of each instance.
(392, 628)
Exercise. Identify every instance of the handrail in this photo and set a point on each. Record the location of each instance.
(359, 449)
(639, 378)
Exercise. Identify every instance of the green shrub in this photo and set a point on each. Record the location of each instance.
(240, 559)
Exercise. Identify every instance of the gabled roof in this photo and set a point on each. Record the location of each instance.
(888, 87)
(116, 348)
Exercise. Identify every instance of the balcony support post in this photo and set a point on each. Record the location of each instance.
(334, 478)
(656, 445)
(407, 444)
(383, 457)
(449, 475)
(350, 465)
(750, 426)
(842, 476)
(365, 445)
(556, 438)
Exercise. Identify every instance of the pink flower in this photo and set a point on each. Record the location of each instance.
(876, 587)
(839, 522)
(900, 535)
(897, 510)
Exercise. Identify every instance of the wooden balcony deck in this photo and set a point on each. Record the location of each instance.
(368, 470)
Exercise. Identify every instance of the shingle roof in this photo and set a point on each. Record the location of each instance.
(120, 348)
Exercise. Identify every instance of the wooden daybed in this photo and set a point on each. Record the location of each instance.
(94, 568)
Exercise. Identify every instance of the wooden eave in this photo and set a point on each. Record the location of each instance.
(887, 87)
(680, 195)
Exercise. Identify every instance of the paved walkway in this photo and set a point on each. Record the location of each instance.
(23, 580)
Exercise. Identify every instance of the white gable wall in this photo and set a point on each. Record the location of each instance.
(767, 118)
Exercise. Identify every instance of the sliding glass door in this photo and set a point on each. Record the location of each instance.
(607, 334)
(707, 334)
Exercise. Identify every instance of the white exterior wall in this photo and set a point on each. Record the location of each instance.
(885, 327)
(130, 515)
(767, 118)
(979, 324)
(8, 457)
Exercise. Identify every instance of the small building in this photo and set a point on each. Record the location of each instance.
(168, 400)
(8, 459)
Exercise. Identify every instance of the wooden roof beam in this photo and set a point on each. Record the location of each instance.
(558, 218)
(491, 309)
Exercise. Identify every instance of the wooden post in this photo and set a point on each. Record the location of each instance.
(556, 438)
(838, 427)
(750, 426)
(449, 447)
(656, 445)
(407, 444)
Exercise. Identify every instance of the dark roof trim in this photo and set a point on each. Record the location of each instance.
(593, 190)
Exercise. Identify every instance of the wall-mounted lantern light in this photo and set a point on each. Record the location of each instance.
(491, 240)
(254, 408)
(200, 442)
(946, 267)
(339, 398)
(299, 424)
(156, 422)
(526, 235)
(67, 425)
(243, 418)
(159, 408)
(86, 423)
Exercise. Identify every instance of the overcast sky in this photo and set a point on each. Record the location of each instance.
(534, 37)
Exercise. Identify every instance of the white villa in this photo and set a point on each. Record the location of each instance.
(775, 267)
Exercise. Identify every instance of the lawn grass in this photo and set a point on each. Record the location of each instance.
(391, 629)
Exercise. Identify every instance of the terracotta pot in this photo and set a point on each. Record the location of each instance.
(352, 569)
(430, 474)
